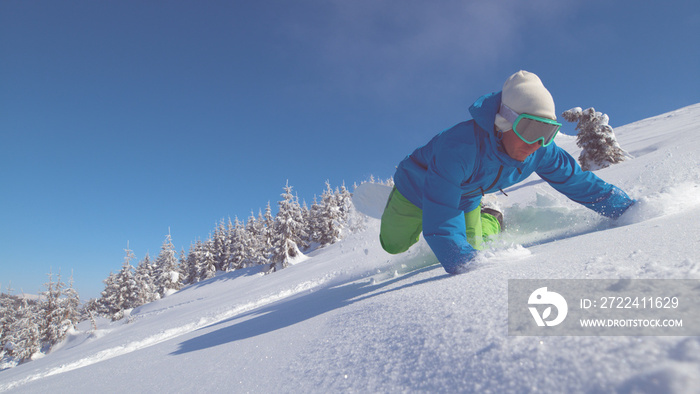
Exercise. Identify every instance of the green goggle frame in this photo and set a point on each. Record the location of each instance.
(531, 128)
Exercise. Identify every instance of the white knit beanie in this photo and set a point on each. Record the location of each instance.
(524, 93)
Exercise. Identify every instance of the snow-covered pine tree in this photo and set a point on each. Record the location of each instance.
(4, 311)
(7, 318)
(121, 292)
(314, 223)
(60, 311)
(206, 263)
(267, 234)
(251, 238)
(306, 219)
(268, 219)
(232, 236)
(49, 311)
(24, 339)
(52, 328)
(350, 221)
(71, 306)
(107, 304)
(596, 138)
(221, 245)
(329, 217)
(144, 275)
(344, 198)
(166, 271)
(302, 237)
(288, 232)
(182, 268)
(126, 295)
(190, 268)
(239, 246)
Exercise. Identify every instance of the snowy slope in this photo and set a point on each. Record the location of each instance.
(352, 318)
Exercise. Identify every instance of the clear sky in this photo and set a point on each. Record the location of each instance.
(123, 120)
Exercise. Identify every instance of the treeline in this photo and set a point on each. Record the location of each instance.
(263, 240)
(273, 242)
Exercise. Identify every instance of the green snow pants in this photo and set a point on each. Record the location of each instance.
(402, 223)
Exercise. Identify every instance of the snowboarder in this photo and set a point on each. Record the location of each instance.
(439, 187)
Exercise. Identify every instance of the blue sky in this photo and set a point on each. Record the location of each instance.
(123, 120)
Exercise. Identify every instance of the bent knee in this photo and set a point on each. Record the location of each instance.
(393, 248)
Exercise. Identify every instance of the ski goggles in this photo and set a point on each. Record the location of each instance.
(531, 128)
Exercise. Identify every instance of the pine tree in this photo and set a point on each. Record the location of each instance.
(301, 235)
(51, 311)
(71, 307)
(121, 292)
(306, 220)
(288, 232)
(331, 215)
(144, 276)
(252, 238)
(206, 263)
(60, 310)
(267, 235)
(314, 223)
(182, 268)
(239, 246)
(7, 319)
(190, 268)
(107, 304)
(348, 220)
(232, 238)
(126, 295)
(344, 199)
(24, 339)
(596, 138)
(166, 271)
(221, 245)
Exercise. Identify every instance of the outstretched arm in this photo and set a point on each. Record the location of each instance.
(564, 174)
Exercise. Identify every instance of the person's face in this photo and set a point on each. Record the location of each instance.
(517, 148)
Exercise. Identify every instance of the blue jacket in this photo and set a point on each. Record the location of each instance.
(449, 175)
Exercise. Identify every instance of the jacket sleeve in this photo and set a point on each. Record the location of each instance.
(564, 174)
(443, 221)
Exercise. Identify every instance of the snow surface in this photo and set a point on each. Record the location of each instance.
(352, 318)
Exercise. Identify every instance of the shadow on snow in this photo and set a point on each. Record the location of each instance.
(288, 312)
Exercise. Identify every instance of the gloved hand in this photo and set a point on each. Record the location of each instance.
(460, 267)
(614, 204)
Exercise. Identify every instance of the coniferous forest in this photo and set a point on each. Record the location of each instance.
(32, 326)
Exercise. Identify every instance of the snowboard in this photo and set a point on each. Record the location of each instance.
(370, 199)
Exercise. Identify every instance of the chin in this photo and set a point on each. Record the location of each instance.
(520, 157)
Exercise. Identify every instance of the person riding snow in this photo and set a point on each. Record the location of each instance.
(439, 187)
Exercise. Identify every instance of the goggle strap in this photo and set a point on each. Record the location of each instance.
(507, 113)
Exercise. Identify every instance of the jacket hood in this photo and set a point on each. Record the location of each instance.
(484, 112)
